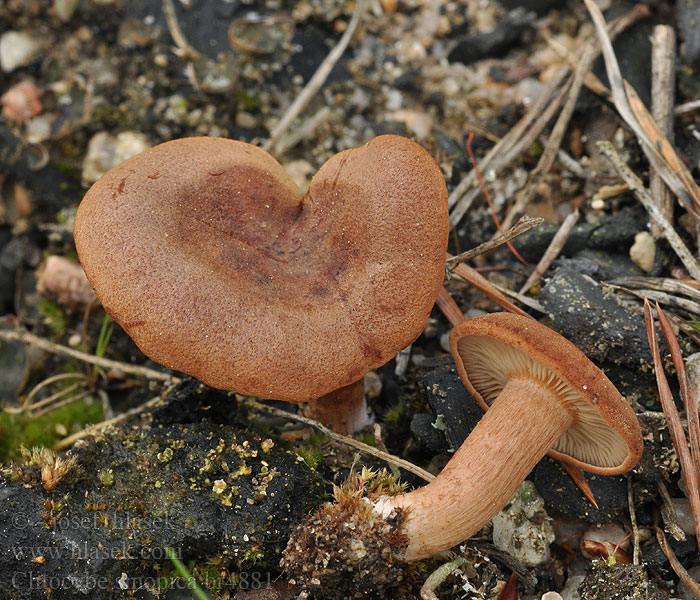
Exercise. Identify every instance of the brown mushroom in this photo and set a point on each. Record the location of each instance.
(207, 254)
(543, 396)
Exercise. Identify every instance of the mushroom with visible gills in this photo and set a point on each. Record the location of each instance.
(543, 396)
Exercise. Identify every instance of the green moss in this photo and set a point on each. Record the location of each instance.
(311, 455)
(28, 431)
(393, 413)
(53, 316)
(106, 476)
(248, 100)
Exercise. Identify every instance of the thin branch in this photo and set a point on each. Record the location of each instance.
(316, 82)
(525, 223)
(687, 107)
(673, 422)
(438, 576)
(663, 92)
(67, 442)
(677, 567)
(633, 521)
(30, 338)
(661, 284)
(385, 456)
(184, 47)
(635, 184)
(552, 251)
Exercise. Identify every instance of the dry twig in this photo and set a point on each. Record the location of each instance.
(525, 223)
(552, 251)
(659, 151)
(637, 187)
(438, 576)
(663, 87)
(183, 46)
(317, 80)
(385, 456)
(633, 521)
(67, 442)
(677, 567)
(688, 459)
(525, 132)
(30, 338)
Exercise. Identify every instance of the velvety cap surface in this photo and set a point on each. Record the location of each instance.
(491, 349)
(207, 254)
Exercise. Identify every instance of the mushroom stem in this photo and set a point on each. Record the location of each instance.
(344, 410)
(513, 435)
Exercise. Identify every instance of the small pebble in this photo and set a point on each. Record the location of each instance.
(643, 251)
(570, 591)
(63, 280)
(106, 151)
(21, 102)
(373, 385)
(445, 341)
(523, 529)
(18, 49)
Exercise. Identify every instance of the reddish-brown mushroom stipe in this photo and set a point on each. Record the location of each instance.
(207, 254)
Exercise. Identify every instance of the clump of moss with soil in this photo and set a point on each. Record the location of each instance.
(223, 500)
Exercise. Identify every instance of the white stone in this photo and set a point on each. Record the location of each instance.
(523, 529)
(18, 49)
(106, 151)
(643, 251)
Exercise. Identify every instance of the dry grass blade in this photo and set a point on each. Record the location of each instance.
(677, 567)
(552, 251)
(689, 400)
(673, 422)
(317, 80)
(642, 194)
(525, 132)
(473, 277)
(525, 223)
(445, 302)
(689, 194)
(659, 151)
(661, 284)
(459, 200)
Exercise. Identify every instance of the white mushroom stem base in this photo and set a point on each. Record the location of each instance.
(344, 410)
(519, 428)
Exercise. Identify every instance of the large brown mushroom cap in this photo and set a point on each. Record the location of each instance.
(491, 349)
(206, 253)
